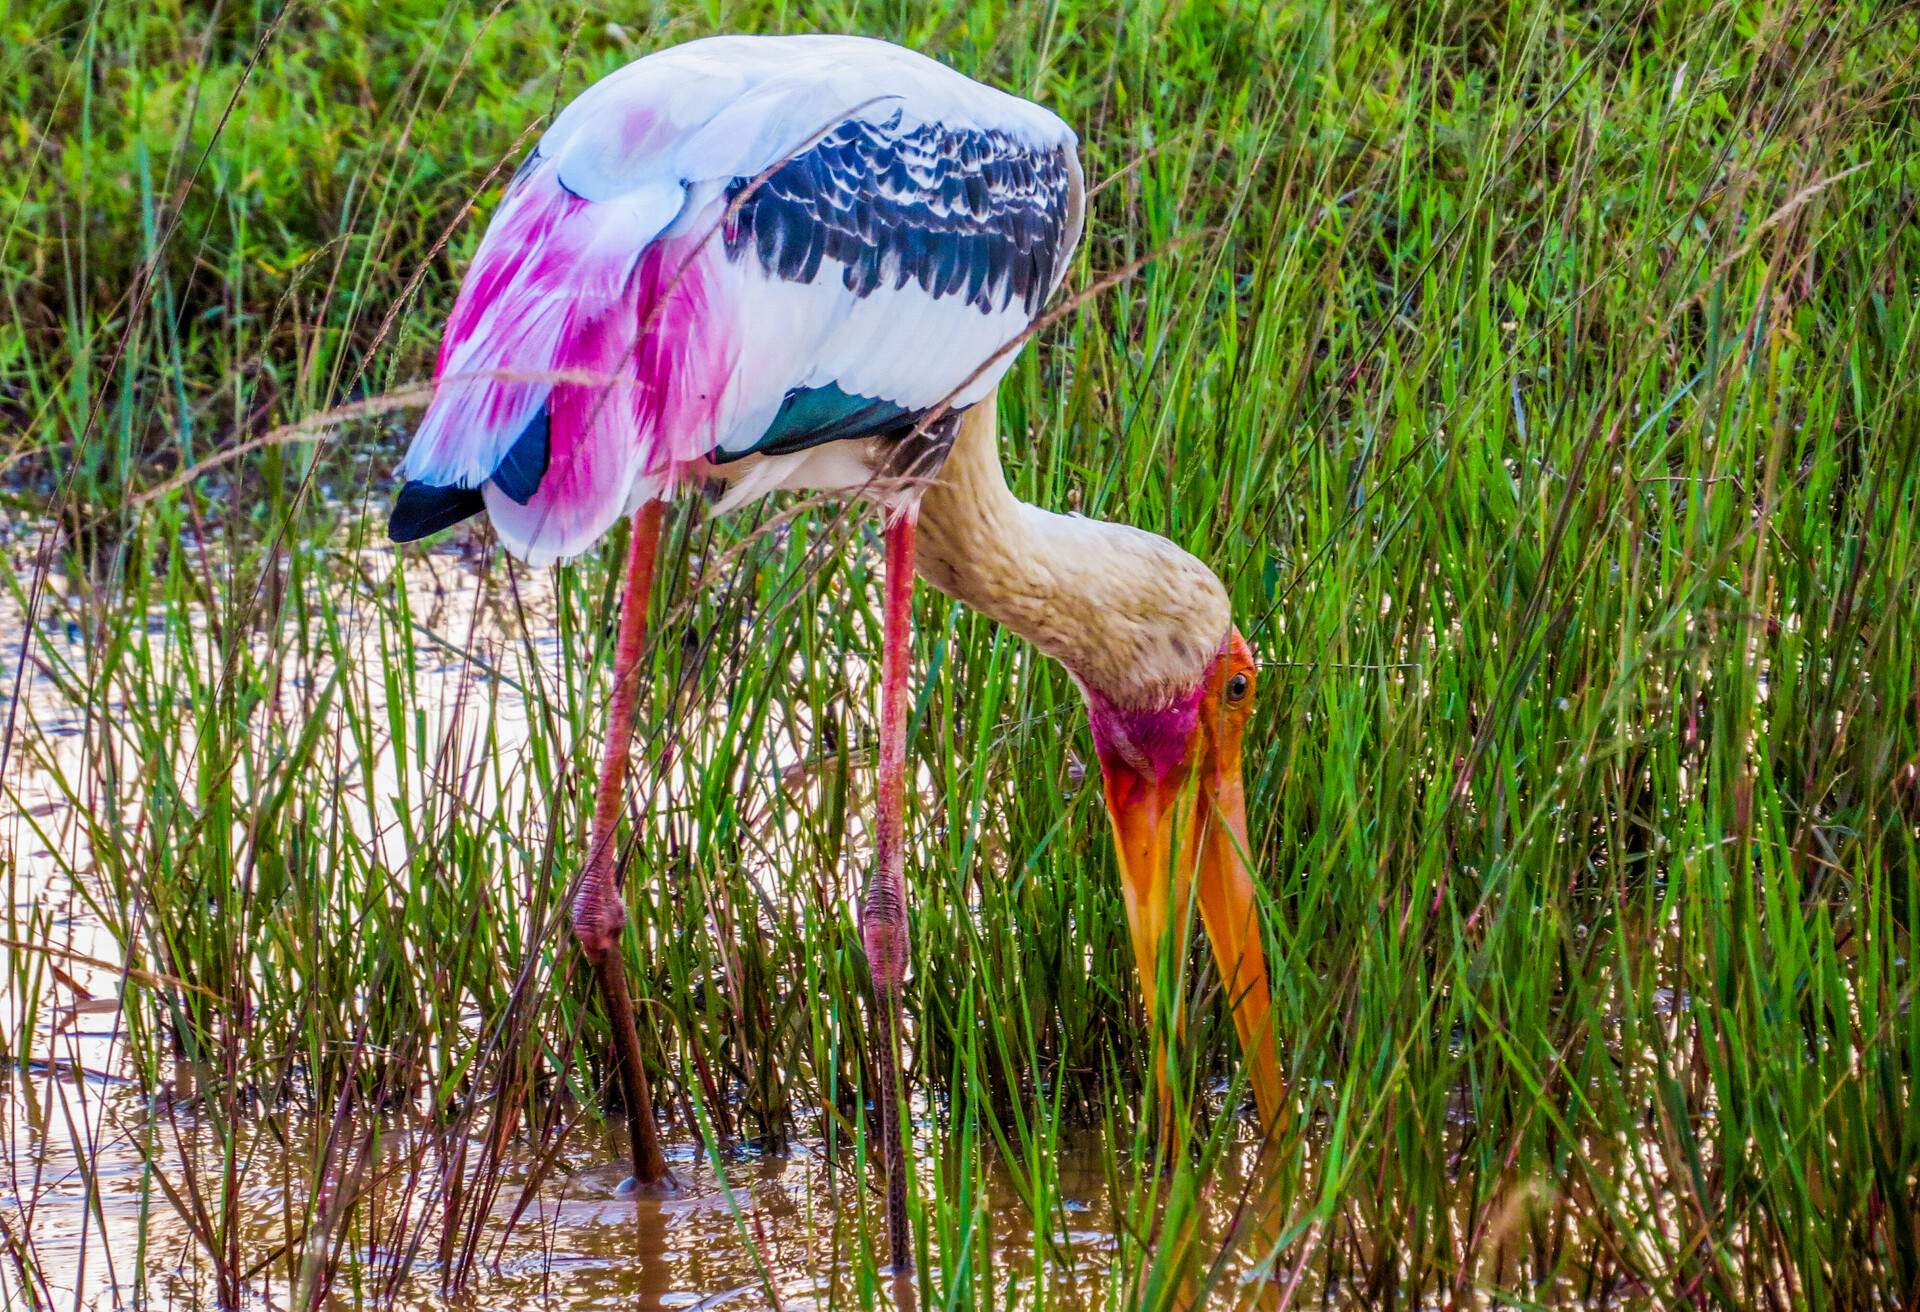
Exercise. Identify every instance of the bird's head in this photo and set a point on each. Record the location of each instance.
(1173, 771)
(1175, 795)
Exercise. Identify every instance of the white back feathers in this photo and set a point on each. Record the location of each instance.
(742, 246)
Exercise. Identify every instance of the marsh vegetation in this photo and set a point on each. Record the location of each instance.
(1542, 382)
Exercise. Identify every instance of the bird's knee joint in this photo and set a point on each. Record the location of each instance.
(598, 920)
(885, 940)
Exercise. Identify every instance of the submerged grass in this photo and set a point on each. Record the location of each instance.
(1542, 383)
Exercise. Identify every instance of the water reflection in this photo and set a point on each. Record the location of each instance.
(109, 1182)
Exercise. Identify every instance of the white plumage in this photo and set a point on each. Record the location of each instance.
(759, 259)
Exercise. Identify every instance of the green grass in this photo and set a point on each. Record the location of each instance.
(1541, 382)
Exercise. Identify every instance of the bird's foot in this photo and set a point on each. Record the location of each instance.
(899, 1278)
(665, 1187)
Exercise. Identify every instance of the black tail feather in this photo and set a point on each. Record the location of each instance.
(423, 508)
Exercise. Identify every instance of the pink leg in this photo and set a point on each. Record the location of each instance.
(599, 909)
(883, 917)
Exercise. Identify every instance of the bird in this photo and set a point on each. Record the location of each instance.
(751, 263)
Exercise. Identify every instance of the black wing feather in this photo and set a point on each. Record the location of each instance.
(960, 210)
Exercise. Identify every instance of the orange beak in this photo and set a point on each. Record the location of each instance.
(1169, 833)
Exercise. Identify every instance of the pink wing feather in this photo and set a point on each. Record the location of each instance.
(573, 309)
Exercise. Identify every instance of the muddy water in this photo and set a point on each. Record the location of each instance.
(113, 1194)
(749, 1231)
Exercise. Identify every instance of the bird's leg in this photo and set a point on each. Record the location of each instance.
(883, 915)
(599, 909)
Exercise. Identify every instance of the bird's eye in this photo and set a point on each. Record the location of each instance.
(1237, 688)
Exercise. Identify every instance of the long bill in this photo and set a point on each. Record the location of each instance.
(1204, 813)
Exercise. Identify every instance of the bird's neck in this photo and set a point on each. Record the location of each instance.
(1137, 620)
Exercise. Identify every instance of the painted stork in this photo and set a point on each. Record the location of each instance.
(806, 262)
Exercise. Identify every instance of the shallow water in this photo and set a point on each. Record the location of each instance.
(749, 1231)
(102, 1183)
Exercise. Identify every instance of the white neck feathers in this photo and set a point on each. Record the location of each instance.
(1131, 615)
